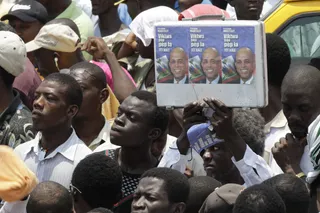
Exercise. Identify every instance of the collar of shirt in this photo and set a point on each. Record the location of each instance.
(279, 121)
(215, 81)
(12, 108)
(182, 80)
(67, 149)
(247, 82)
(102, 137)
(67, 13)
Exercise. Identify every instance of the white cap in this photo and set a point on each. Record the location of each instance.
(55, 37)
(13, 54)
(143, 25)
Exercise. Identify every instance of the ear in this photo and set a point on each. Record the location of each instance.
(104, 94)
(72, 111)
(179, 207)
(155, 133)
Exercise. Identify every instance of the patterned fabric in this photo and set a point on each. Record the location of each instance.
(129, 181)
(15, 123)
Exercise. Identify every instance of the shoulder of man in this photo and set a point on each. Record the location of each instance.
(20, 127)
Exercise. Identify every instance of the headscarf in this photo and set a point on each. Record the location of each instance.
(143, 25)
(201, 10)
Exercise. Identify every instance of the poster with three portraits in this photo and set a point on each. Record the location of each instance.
(225, 60)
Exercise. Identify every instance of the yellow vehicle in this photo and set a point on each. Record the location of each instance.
(298, 23)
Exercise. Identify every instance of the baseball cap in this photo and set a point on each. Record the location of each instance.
(13, 55)
(222, 199)
(27, 11)
(55, 37)
(201, 137)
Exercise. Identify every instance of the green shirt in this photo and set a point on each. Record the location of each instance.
(83, 22)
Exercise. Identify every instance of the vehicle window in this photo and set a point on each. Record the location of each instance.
(303, 36)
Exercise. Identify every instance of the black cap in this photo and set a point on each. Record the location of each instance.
(27, 11)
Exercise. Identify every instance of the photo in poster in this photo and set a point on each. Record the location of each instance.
(221, 55)
(172, 58)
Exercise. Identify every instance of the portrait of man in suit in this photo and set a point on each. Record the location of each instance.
(178, 64)
(211, 66)
(245, 65)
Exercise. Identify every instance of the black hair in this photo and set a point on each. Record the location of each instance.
(250, 126)
(278, 59)
(50, 197)
(176, 184)
(161, 115)
(99, 179)
(200, 188)
(7, 78)
(67, 22)
(93, 70)
(73, 93)
(315, 62)
(292, 190)
(100, 210)
(259, 199)
(7, 27)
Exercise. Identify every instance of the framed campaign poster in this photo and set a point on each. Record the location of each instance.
(221, 59)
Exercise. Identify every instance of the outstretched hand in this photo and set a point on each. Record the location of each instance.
(96, 47)
(221, 119)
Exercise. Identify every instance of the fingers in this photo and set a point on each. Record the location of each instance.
(193, 120)
(192, 108)
(279, 146)
(218, 106)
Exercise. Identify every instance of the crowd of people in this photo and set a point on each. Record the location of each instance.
(81, 130)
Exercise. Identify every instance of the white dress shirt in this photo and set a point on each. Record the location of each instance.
(58, 166)
(278, 128)
(253, 168)
(173, 159)
(215, 81)
(102, 137)
(247, 82)
(183, 81)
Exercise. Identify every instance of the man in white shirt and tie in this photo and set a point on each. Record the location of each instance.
(211, 66)
(178, 64)
(245, 65)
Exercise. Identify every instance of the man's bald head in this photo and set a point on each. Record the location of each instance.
(211, 63)
(245, 63)
(89, 72)
(178, 63)
(93, 83)
(50, 197)
(299, 96)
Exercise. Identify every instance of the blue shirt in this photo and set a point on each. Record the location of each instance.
(176, 5)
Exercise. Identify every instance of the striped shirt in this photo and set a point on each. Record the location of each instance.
(58, 166)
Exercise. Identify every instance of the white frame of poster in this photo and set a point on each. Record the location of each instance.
(233, 95)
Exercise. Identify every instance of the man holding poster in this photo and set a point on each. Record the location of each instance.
(178, 64)
(211, 66)
(245, 65)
